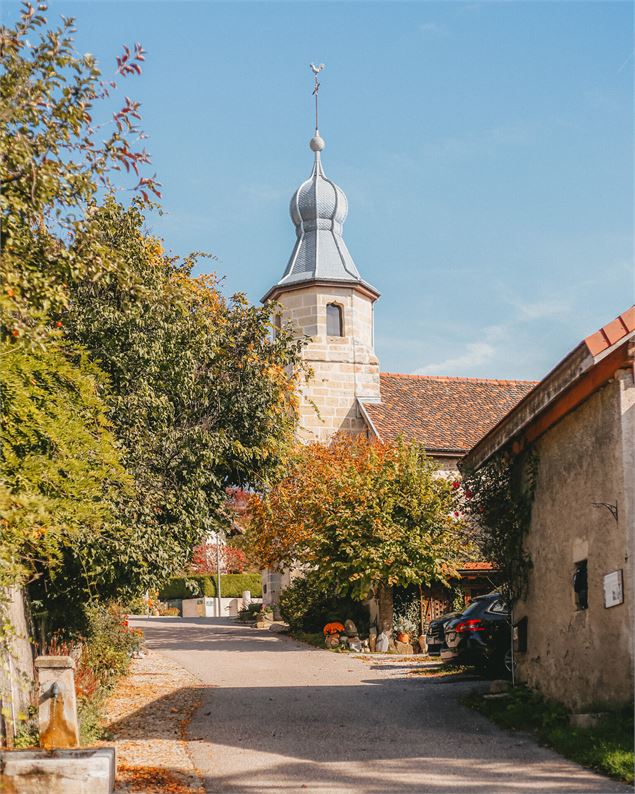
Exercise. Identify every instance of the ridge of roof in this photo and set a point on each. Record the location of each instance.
(459, 378)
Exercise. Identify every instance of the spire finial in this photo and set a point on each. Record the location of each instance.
(316, 143)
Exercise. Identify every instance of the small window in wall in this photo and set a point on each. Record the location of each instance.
(334, 324)
(580, 585)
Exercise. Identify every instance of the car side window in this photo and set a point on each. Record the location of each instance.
(498, 608)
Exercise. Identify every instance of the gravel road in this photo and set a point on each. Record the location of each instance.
(279, 716)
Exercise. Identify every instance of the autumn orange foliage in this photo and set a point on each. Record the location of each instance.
(360, 514)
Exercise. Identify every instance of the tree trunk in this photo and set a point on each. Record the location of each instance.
(384, 598)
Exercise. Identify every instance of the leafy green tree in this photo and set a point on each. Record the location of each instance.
(363, 517)
(60, 474)
(57, 156)
(189, 390)
(201, 397)
(61, 471)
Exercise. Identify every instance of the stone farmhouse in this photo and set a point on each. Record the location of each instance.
(574, 627)
(323, 297)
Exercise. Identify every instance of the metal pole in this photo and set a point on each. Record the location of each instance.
(511, 617)
(218, 593)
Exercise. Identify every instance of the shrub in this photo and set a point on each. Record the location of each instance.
(305, 607)
(109, 643)
(253, 611)
(137, 606)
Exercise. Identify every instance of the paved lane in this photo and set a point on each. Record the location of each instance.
(278, 716)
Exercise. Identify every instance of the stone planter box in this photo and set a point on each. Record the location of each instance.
(81, 771)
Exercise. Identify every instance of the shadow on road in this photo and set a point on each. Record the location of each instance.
(290, 751)
(290, 718)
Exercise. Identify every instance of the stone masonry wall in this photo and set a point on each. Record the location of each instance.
(343, 368)
(581, 656)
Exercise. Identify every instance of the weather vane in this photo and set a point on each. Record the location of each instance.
(316, 70)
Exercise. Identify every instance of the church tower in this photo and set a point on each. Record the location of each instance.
(322, 296)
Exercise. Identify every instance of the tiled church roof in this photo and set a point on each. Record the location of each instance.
(443, 413)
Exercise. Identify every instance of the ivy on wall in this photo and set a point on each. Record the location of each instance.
(498, 499)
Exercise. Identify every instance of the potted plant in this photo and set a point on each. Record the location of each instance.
(404, 628)
(332, 632)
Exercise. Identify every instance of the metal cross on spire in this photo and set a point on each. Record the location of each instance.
(316, 70)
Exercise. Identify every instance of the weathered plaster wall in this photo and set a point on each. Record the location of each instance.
(16, 667)
(343, 367)
(580, 657)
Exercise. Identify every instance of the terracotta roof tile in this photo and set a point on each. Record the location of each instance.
(443, 413)
(628, 318)
(612, 332)
(476, 566)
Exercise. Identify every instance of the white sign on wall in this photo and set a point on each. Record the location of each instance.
(613, 589)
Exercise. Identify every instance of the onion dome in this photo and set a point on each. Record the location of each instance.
(318, 210)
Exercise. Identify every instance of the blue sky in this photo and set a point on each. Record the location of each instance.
(486, 150)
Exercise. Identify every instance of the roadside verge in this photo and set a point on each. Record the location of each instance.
(147, 718)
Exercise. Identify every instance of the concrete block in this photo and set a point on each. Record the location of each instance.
(585, 720)
(73, 771)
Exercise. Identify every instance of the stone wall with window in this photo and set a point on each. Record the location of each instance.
(571, 643)
(342, 359)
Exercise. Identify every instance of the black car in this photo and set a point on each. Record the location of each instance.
(480, 635)
(435, 636)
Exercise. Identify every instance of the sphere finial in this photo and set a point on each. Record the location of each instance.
(317, 143)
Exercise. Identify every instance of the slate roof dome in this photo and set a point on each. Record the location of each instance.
(318, 210)
(319, 204)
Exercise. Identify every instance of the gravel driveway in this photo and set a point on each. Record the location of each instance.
(279, 716)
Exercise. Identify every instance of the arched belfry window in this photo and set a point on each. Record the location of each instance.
(334, 320)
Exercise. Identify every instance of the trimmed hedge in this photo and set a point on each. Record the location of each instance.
(232, 586)
(199, 586)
